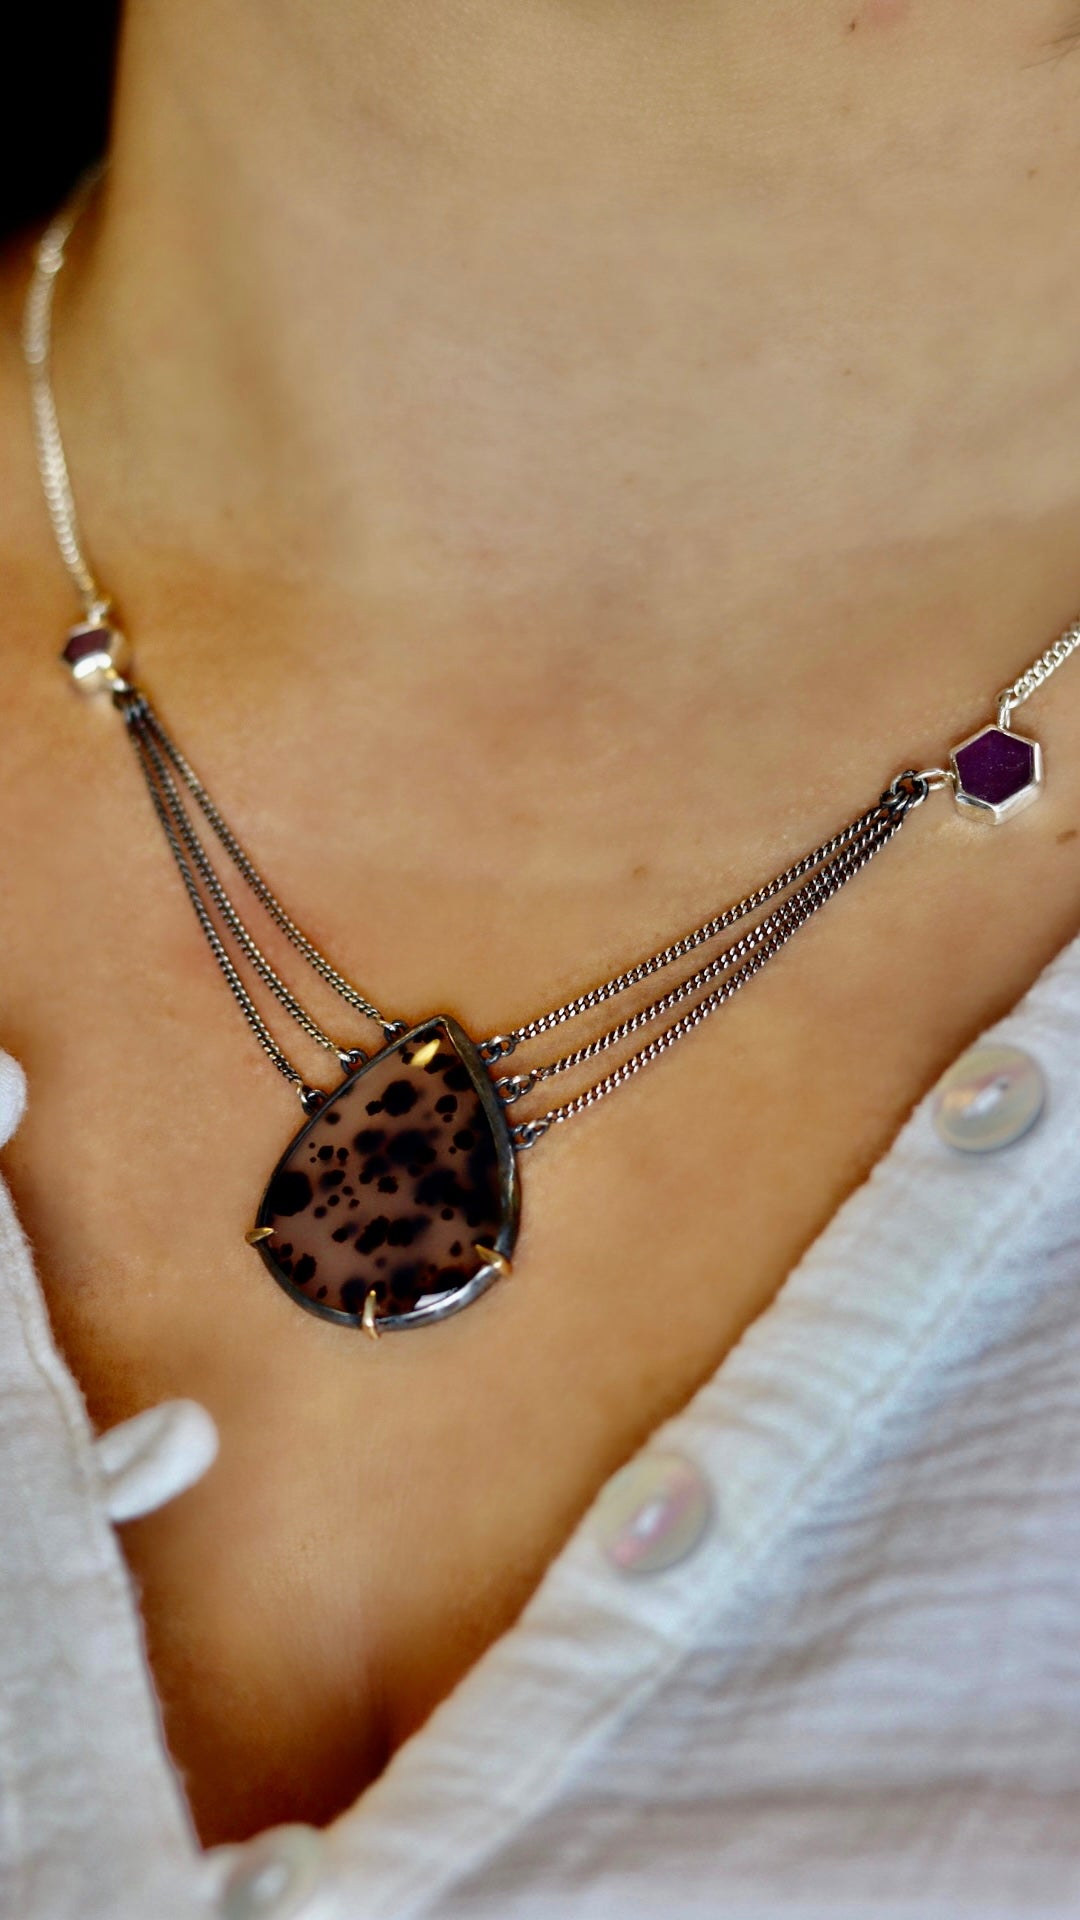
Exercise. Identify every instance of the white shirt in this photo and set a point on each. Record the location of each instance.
(857, 1692)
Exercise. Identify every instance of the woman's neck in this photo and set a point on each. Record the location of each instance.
(597, 311)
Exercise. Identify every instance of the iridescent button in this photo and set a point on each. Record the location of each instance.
(274, 1876)
(159, 1453)
(653, 1513)
(988, 1098)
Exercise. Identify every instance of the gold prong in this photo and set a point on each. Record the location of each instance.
(367, 1318)
(425, 1053)
(493, 1258)
(255, 1234)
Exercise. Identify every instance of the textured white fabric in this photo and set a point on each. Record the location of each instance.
(859, 1695)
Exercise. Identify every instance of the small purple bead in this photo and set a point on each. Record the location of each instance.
(995, 766)
(85, 641)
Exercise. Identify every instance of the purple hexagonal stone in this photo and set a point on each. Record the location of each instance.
(995, 766)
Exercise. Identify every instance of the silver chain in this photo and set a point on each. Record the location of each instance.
(37, 349)
(505, 1043)
(217, 947)
(1039, 671)
(156, 773)
(869, 828)
(753, 952)
(153, 745)
(259, 887)
(800, 890)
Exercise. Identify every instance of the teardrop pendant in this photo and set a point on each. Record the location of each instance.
(397, 1203)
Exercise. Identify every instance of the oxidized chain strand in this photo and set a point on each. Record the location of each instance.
(236, 985)
(250, 874)
(769, 939)
(870, 826)
(500, 1045)
(154, 769)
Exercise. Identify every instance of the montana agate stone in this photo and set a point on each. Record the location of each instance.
(997, 772)
(392, 1185)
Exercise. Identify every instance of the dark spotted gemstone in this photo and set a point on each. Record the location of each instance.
(289, 1192)
(373, 1235)
(411, 1148)
(400, 1097)
(415, 1213)
(403, 1231)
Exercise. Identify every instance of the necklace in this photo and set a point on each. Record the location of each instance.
(397, 1202)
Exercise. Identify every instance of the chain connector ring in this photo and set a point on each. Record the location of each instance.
(514, 1086)
(496, 1048)
(908, 789)
(938, 778)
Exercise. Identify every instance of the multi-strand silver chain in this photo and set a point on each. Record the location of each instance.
(182, 803)
(805, 888)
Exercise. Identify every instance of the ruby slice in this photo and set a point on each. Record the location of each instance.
(87, 643)
(995, 766)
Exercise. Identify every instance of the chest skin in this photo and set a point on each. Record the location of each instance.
(378, 1515)
(479, 829)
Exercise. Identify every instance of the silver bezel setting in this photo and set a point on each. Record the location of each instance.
(103, 670)
(993, 812)
(443, 1305)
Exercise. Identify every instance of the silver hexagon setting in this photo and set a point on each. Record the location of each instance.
(997, 773)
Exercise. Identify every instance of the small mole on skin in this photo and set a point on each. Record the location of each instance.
(1070, 833)
(640, 872)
